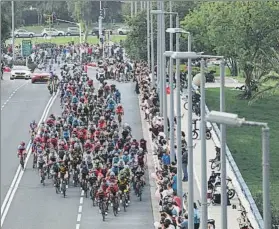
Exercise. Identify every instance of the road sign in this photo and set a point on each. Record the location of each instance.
(26, 48)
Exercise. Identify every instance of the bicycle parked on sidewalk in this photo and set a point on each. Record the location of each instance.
(216, 162)
(243, 221)
(195, 131)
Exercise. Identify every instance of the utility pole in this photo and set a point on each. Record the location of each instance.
(13, 29)
(132, 8)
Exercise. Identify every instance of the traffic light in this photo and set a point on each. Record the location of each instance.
(102, 40)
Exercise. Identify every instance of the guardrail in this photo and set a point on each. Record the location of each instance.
(241, 183)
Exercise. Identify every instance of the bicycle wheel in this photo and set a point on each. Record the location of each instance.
(185, 105)
(124, 202)
(103, 211)
(195, 134)
(213, 165)
(115, 207)
(208, 135)
(140, 193)
(231, 193)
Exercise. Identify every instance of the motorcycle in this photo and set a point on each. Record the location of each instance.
(209, 77)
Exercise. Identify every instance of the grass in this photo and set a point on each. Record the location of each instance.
(65, 40)
(245, 142)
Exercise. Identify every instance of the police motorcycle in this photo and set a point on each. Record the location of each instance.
(100, 75)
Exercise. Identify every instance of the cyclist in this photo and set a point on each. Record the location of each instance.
(101, 197)
(63, 172)
(119, 110)
(21, 150)
(123, 185)
(33, 126)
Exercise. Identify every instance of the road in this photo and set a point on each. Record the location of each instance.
(35, 206)
(20, 103)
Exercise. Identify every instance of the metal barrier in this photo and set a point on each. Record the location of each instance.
(243, 186)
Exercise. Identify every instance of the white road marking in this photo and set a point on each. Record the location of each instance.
(78, 217)
(12, 94)
(79, 210)
(19, 173)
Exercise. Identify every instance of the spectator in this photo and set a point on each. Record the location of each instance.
(182, 222)
(185, 165)
(166, 158)
(174, 181)
(196, 217)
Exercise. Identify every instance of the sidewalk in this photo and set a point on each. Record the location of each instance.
(214, 212)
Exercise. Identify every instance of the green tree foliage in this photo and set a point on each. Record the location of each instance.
(135, 43)
(237, 30)
(5, 25)
(269, 75)
(137, 39)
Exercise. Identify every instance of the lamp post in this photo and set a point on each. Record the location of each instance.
(192, 55)
(203, 149)
(13, 30)
(148, 32)
(159, 80)
(152, 47)
(162, 72)
(132, 8)
(233, 120)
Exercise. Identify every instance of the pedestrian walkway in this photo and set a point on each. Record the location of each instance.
(214, 212)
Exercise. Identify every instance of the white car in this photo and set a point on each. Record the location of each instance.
(52, 32)
(23, 33)
(123, 31)
(20, 72)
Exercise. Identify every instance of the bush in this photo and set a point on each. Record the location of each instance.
(258, 197)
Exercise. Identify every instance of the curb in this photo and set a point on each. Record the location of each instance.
(152, 163)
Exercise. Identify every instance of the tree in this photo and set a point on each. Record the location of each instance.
(136, 40)
(5, 27)
(135, 43)
(237, 30)
(269, 79)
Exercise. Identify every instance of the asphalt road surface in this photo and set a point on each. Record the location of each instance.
(35, 206)
(20, 103)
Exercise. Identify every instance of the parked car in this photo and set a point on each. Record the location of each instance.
(95, 31)
(72, 31)
(20, 72)
(123, 31)
(23, 33)
(40, 76)
(52, 32)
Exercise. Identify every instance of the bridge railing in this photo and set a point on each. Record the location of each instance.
(239, 184)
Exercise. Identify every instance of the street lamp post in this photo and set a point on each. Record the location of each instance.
(132, 8)
(13, 29)
(152, 47)
(191, 55)
(203, 147)
(163, 71)
(148, 32)
(233, 120)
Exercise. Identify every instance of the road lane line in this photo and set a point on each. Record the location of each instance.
(80, 209)
(19, 167)
(9, 198)
(12, 94)
(78, 217)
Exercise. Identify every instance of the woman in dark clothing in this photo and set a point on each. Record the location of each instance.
(137, 88)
